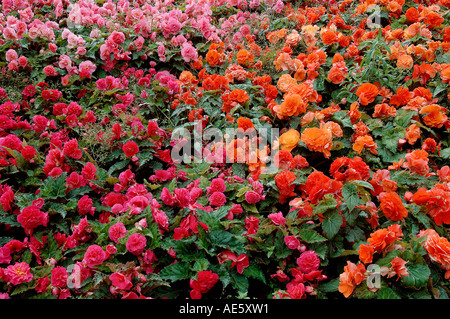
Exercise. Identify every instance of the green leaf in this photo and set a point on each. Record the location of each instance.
(281, 250)
(418, 276)
(242, 191)
(54, 187)
(200, 265)
(311, 236)
(8, 219)
(328, 202)
(387, 293)
(21, 288)
(440, 88)
(51, 249)
(227, 240)
(118, 166)
(240, 282)
(4, 240)
(331, 286)
(255, 272)
(249, 207)
(445, 153)
(99, 277)
(78, 191)
(421, 217)
(363, 184)
(186, 249)
(404, 117)
(212, 219)
(320, 249)
(355, 234)
(351, 196)
(239, 169)
(391, 137)
(331, 224)
(176, 271)
(421, 294)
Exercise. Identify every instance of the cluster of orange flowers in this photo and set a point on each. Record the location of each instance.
(308, 55)
(380, 241)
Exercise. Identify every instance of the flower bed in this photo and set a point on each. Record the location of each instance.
(349, 196)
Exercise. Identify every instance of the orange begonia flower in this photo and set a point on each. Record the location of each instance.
(384, 110)
(284, 182)
(293, 105)
(285, 82)
(337, 73)
(213, 58)
(283, 159)
(424, 72)
(412, 134)
(244, 57)
(435, 115)
(392, 206)
(412, 14)
(402, 96)
(318, 184)
(417, 162)
(365, 141)
(404, 62)
(367, 93)
(334, 127)
(329, 37)
(239, 96)
(365, 253)
(289, 140)
(283, 61)
(352, 276)
(245, 124)
(433, 19)
(354, 113)
(438, 249)
(398, 267)
(445, 74)
(318, 140)
(436, 202)
(382, 238)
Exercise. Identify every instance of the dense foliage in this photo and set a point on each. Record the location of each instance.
(94, 206)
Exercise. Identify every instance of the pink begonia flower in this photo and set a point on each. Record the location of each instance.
(33, 33)
(172, 26)
(9, 34)
(217, 199)
(117, 231)
(49, 70)
(22, 61)
(18, 273)
(252, 197)
(292, 242)
(52, 47)
(277, 218)
(136, 243)
(189, 52)
(94, 256)
(81, 50)
(11, 55)
(120, 281)
(308, 261)
(88, 66)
